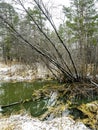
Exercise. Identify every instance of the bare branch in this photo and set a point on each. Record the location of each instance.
(48, 18)
(55, 63)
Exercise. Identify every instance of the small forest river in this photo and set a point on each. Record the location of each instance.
(28, 101)
(21, 91)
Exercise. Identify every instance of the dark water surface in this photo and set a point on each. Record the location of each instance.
(15, 92)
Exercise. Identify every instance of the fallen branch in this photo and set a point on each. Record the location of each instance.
(94, 83)
(16, 103)
(21, 102)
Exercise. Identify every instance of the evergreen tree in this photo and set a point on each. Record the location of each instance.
(81, 23)
(8, 12)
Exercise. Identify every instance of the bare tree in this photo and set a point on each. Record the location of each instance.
(53, 56)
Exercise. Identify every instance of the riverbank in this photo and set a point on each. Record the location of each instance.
(20, 72)
(25, 122)
(61, 99)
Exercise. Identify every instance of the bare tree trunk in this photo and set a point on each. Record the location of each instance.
(66, 71)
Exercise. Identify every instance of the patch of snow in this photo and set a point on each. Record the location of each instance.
(16, 72)
(19, 72)
(28, 126)
(53, 99)
(24, 122)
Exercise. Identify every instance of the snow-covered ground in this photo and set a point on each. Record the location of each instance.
(20, 72)
(16, 72)
(25, 122)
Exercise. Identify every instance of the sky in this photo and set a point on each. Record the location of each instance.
(56, 9)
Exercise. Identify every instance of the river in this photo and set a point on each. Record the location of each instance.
(12, 92)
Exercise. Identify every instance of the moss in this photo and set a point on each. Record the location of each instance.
(73, 97)
(90, 110)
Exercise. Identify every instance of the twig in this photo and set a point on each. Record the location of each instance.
(94, 83)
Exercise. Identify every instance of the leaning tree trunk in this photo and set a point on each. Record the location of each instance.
(66, 71)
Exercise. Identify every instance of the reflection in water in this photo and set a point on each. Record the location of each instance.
(16, 92)
(0, 85)
(1, 94)
(1, 91)
(1, 109)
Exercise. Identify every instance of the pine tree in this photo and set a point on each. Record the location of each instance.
(9, 13)
(81, 23)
